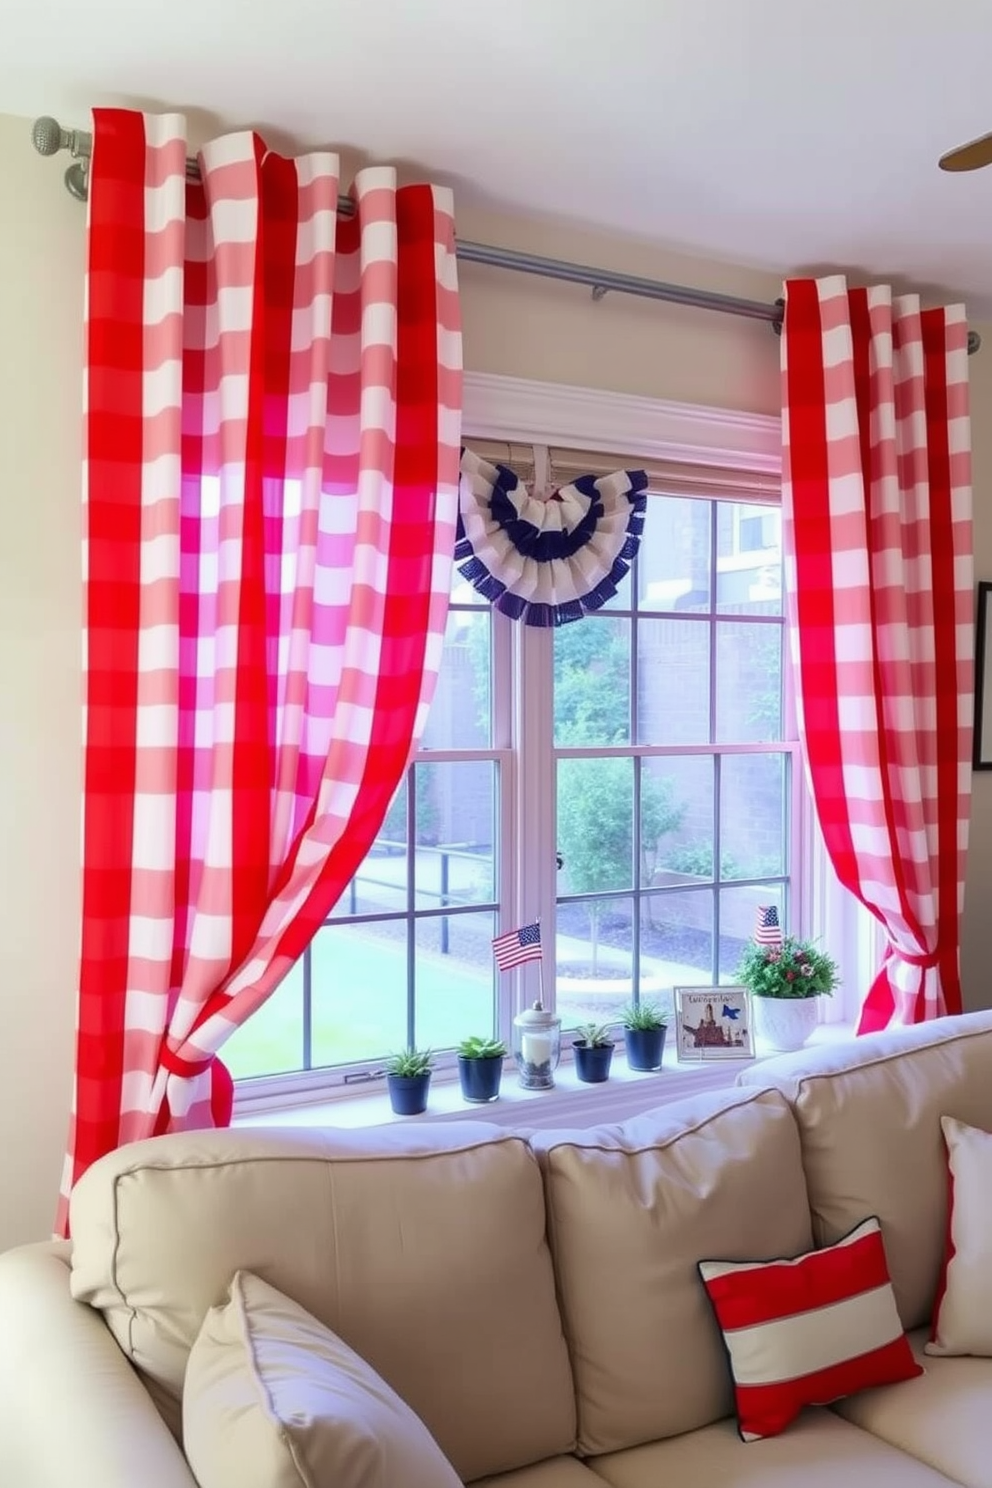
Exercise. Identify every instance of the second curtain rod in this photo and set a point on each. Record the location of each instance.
(49, 138)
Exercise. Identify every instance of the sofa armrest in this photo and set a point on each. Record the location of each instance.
(72, 1410)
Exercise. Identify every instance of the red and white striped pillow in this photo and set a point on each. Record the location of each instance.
(808, 1331)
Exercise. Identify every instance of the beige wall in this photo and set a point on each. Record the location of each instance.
(513, 324)
(41, 257)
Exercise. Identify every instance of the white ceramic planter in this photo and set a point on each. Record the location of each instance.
(784, 1023)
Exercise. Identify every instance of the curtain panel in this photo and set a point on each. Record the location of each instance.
(272, 429)
(879, 571)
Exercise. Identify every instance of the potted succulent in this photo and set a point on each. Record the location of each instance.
(593, 1052)
(644, 1035)
(480, 1067)
(785, 981)
(408, 1077)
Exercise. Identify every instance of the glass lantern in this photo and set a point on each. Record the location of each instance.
(537, 1046)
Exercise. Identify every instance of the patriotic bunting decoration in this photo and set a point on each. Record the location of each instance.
(547, 562)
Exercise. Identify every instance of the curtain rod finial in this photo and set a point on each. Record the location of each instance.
(48, 136)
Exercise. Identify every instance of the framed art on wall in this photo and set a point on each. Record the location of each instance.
(982, 755)
(713, 1023)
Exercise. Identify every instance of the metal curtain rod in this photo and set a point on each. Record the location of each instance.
(49, 138)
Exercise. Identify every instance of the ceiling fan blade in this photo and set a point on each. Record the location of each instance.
(968, 157)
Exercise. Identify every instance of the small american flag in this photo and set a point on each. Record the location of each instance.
(767, 930)
(517, 946)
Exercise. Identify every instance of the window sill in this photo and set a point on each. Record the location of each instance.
(571, 1103)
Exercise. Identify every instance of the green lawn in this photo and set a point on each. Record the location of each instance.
(359, 1005)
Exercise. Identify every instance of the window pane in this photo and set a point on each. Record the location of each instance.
(657, 974)
(464, 593)
(674, 790)
(595, 824)
(738, 911)
(677, 937)
(271, 1042)
(454, 983)
(748, 682)
(592, 681)
(673, 565)
(749, 559)
(455, 861)
(594, 960)
(624, 597)
(460, 713)
(685, 852)
(358, 992)
(673, 682)
(380, 884)
(753, 815)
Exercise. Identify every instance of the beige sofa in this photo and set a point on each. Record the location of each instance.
(535, 1300)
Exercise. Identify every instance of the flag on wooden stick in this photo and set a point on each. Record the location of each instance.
(518, 946)
(767, 930)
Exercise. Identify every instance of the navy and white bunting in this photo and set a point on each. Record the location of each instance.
(547, 562)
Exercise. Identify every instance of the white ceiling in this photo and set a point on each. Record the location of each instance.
(779, 133)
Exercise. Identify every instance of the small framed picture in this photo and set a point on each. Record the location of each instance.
(713, 1023)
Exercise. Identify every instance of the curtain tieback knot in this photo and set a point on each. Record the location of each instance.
(186, 1069)
(926, 962)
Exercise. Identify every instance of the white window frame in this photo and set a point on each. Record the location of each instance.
(521, 411)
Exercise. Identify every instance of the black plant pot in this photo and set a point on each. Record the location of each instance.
(592, 1062)
(480, 1077)
(645, 1047)
(408, 1093)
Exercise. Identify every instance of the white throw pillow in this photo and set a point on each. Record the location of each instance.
(273, 1399)
(962, 1315)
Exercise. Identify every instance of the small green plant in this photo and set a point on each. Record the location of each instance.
(796, 968)
(696, 859)
(643, 1016)
(594, 1035)
(410, 1063)
(478, 1047)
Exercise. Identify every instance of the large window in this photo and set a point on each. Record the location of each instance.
(628, 778)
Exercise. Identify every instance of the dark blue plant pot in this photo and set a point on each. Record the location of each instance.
(408, 1093)
(644, 1046)
(592, 1062)
(480, 1078)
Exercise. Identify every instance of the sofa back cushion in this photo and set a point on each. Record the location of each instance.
(424, 1249)
(868, 1112)
(631, 1210)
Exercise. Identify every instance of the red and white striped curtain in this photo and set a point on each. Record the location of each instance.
(273, 396)
(878, 546)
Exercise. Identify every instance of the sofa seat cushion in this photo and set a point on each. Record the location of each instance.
(814, 1453)
(631, 1210)
(869, 1114)
(273, 1399)
(424, 1248)
(942, 1418)
(557, 1472)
